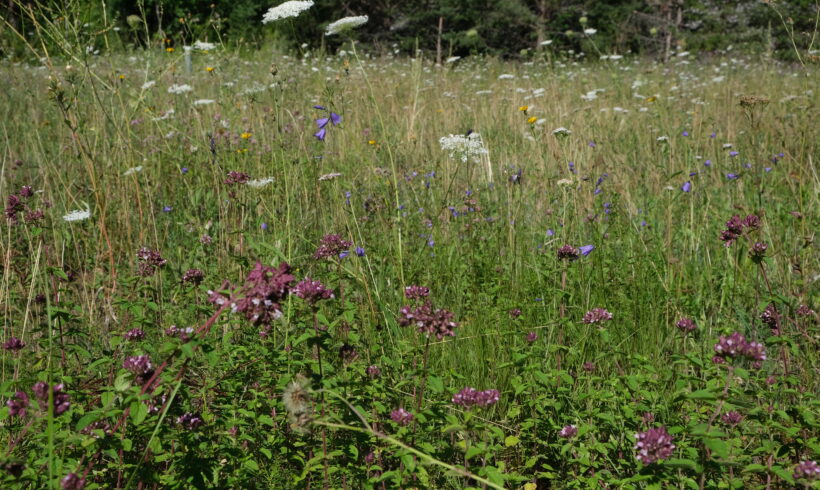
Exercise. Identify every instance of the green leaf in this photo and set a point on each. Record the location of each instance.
(86, 420)
(511, 441)
(138, 412)
(474, 451)
(436, 384)
(754, 468)
(718, 446)
(251, 465)
(687, 464)
(701, 395)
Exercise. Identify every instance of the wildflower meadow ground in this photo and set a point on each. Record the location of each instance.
(312, 270)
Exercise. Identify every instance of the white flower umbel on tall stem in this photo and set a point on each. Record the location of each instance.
(466, 148)
(346, 24)
(77, 215)
(286, 10)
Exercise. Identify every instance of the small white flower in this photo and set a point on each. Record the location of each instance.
(345, 24)
(506, 76)
(330, 176)
(204, 101)
(469, 147)
(726, 146)
(564, 182)
(286, 10)
(132, 170)
(453, 59)
(590, 31)
(148, 84)
(546, 43)
(561, 131)
(643, 109)
(77, 215)
(203, 46)
(259, 183)
(663, 138)
(180, 89)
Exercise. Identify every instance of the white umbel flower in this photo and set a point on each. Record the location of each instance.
(203, 46)
(77, 215)
(180, 89)
(465, 148)
(132, 170)
(286, 10)
(204, 101)
(345, 24)
(259, 183)
(148, 84)
(561, 131)
(330, 176)
(590, 31)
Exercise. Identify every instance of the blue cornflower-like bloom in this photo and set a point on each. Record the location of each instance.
(586, 249)
(360, 251)
(707, 163)
(732, 176)
(734, 153)
(686, 187)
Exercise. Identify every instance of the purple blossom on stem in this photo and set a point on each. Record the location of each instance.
(686, 325)
(373, 371)
(13, 344)
(416, 292)
(235, 177)
(568, 252)
(568, 432)
(771, 318)
(470, 397)
(140, 367)
(331, 246)
(597, 315)
(72, 481)
(686, 187)
(193, 276)
(190, 421)
(807, 470)
(61, 402)
(429, 320)
(134, 334)
(149, 261)
(532, 337)
(736, 346)
(264, 289)
(312, 291)
(758, 252)
(401, 416)
(731, 418)
(18, 404)
(653, 445)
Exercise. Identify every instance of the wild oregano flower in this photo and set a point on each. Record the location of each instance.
(807, 470)
(312, 291)
(416, 292)
(235, 178)
(331, 246)
(735, 227)
(190, 421)
(568, 252)
(597, 315)
(568, 432)
(134, 334)
(731, 418)
(193, 276)
(653, 445)
(771, 318)
(758, 252)
(140, 367)
(149, 261)
(18, 404)
(264, 289)
(470, 397)
(736, 346)
(13, 344)
(686, 325)
(429, 320)
(60, 399)
(72, 481)
(401, 416)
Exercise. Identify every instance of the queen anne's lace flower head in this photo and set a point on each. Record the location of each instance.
(286, 10)
(345, 24)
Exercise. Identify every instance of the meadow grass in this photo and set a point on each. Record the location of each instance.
(482, 235)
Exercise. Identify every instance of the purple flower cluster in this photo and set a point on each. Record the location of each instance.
(184, 334)
(193, 276)
(237, 178)
(804, 311)
(771, 318)
(568, 252)
(429, 320)
(686, 325)
(61, 402)
(331, 246)
(18, 404)
(263, 291)
(470, 397)
(736, 346)
(758, 252)
(322, 122)
(597, 315)
(190, 421)
(134, 334)
(731, 418)
(735, 227)
(653, 445)
(568, 432)
(149, 261)
(807, 470)
(140, 367)
(17, 204)
(373, 371)
(312, 291)
(401, 416)
(416, 292)
(72, 481)
(13, 344)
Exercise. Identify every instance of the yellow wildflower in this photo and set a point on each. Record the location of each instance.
(245, 136)
(532, 120)
(371, 142)
(209, 69)
(524, 108)
(651, 99)
(169, 49)
(122, 77)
